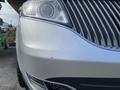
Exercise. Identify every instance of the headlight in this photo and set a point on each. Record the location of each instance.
(50, 10)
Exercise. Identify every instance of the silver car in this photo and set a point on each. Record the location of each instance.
(69, 45)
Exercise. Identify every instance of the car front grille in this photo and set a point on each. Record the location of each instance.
(96, 20)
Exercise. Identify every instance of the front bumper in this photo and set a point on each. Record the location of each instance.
(47, 51)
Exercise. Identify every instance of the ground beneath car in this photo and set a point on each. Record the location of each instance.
(8, 76)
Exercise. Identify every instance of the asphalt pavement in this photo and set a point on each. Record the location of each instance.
(8, 76)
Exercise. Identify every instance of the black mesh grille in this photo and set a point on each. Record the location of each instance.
(90, 83)
(96, 20)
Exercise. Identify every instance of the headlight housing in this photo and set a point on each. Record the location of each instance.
(50, 10)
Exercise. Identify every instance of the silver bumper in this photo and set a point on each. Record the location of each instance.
(46, 50)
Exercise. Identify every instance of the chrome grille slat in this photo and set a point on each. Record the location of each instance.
(101, 34)
(69, 14)
(112, 13)
(116, 4)
(82, 33)
(105, 30)
(95, 34)
(119, 3)
(88, 32)
(115, 39)
(105, 20)
(96, 20)
(114, 16)
(114, 20)
(118, 13)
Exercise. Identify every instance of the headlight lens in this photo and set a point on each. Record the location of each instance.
(50, 10)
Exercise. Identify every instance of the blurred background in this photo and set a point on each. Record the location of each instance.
(9, 18)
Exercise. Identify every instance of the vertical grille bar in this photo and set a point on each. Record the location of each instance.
(117, 13)
(113, 14)
(105, 23)
(81, 31)
(115, 9)
(116, 4)
(104, 28)
(110, 19)
(95, 34)
(96, 24)
(88, 32)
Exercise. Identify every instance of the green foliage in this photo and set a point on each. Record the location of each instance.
(10, 36)
(2, 41)
(7, 37)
